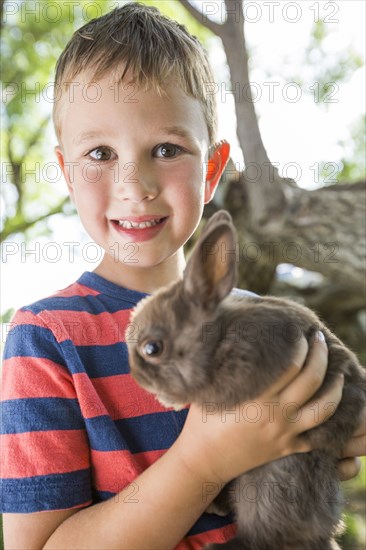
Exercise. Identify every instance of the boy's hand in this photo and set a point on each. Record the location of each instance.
(349, 465)
(218, 444)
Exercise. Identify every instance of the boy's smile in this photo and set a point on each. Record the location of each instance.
(140, 228)
(135, 164)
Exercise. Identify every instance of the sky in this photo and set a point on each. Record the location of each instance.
(297, 132)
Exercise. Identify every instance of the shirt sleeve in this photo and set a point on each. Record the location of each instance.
(45, 456)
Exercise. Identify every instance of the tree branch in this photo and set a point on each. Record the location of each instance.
(203, 20)
(36, 136)
(1, 14)
(12, 226)
(15, 167)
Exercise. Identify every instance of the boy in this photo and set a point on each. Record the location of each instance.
(79, 431)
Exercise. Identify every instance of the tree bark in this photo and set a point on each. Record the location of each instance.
(321, 230)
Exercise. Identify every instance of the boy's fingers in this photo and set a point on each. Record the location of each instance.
(311, 376)
(348, 468)
(355, 447)
(293, 370)
(316, 412)
(361, 429)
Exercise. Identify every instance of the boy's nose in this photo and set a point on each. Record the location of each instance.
(136, 182)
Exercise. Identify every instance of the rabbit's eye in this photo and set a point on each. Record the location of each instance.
(153, 348)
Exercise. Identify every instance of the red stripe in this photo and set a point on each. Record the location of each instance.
(22, 375)
(196, 542)
(76, 289)
(25, 318)
(124, 398)
(90, 403)
(87, 329)
(118, 396)
(83, 328)
(113, 470)
(41, 453)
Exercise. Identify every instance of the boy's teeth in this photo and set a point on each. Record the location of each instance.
(136, 225)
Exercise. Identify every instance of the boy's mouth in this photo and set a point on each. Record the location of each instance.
(140, 223)
(140, 228)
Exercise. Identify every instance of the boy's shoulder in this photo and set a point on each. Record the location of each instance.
(73, 296)
(90, 311)
(89, 293)
(82, 312)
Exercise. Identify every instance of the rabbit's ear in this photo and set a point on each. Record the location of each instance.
(211, 269)
(219, 216)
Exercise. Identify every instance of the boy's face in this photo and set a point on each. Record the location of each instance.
(135, 164)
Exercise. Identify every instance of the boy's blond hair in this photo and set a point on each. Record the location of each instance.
(152, 48)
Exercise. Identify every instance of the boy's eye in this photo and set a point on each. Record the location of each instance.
(101, 153)
(167, 150)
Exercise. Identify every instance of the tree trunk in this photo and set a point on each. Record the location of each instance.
(321, 230)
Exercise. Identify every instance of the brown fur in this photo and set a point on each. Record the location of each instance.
(218, 348)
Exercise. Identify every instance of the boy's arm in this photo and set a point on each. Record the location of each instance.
(171, 494)
(155, 512)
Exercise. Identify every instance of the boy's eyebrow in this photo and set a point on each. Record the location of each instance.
(85, 136)
(178, 131)
(170, 130)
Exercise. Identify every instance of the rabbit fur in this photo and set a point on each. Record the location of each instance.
(199, 343)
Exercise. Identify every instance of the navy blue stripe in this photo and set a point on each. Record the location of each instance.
(112, 298)
(94, 281)
(47, 492)
(98, 360)
(32, 341)
(207, 522)
(86, 304)
(98, 496)
(149, 432)
(103, 434)
(40, 414)
(39, 342)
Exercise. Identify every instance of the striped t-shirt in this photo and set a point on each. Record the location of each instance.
(76, 428)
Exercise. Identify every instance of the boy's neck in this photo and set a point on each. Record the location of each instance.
(146, 279)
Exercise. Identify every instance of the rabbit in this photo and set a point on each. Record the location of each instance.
(199, 342)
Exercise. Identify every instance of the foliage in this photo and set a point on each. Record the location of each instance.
(353, 161)
(33, 36)
(32, 39)
(324, 65)
(176, 11)
(354, 535)
(339, 66)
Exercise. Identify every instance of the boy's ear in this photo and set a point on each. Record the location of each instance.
(210, 274)
(61, 162)
(215, 167)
